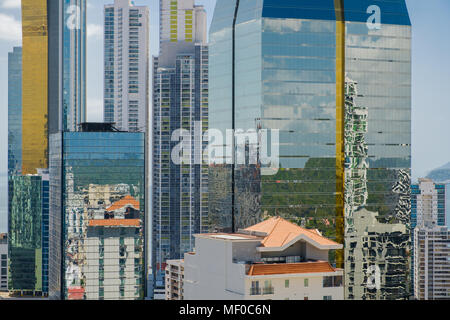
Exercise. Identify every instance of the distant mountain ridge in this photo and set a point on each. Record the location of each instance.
(441, 174)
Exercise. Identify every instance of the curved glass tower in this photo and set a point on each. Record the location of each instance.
(334, 77)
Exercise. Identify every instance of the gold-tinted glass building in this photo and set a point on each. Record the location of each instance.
(34, 86)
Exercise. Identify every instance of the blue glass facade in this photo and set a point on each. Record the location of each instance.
(15, 111)
(67, 72)
(287, 65)
(98, 199)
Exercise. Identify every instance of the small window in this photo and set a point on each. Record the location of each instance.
(306, 283)
(286, 283)
(327, 298)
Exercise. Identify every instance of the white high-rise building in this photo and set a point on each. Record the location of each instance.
(3, 262)
(126, 53)
(432, 262)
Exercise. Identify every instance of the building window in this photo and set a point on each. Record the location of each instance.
(268, 289)
(306, 283)
(255, 289)
(335, 281)
(286, 283)
(327, 298)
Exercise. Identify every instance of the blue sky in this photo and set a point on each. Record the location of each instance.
(431, 76)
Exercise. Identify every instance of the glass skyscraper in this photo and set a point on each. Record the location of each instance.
(28, 234)
(98, 214)
(180, 110)
(334, 78)
(15, 111)
(67, 70)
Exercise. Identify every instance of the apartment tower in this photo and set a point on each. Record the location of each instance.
(180, 115)
(126, 59)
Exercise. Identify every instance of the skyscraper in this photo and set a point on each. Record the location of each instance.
(67, 67)
(427, 203)
(15, 111)
(180, 110)
(98, 203)
(28, 233)
(34, 86)
(334, 77)
(52, 99)
(126, 59)
(431, 262)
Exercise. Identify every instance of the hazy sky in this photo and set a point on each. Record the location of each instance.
(431, 77)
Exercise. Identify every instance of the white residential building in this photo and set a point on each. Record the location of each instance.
(432, 263)
(126, 58)
(3, 262)
(274, 260)
(174, 279)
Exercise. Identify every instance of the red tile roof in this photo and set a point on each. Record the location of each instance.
(76, 293)
(115, 223)
(280, 232)
(128, 200)
(290, 268)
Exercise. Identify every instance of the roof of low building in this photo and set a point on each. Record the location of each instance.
(290, 268)
(127, 200)
(280, 232)
(115, 223)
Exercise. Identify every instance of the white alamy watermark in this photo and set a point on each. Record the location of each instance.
(73, 17)
(374, 21)
(251, 147)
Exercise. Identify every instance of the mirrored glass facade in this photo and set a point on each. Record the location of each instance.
(339, 92)
(98, 214)
(28, 234)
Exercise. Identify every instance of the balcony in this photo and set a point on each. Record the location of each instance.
(268, 290)
(255, 291)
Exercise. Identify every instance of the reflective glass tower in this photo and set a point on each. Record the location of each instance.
(15, 111)
(334, 77)
(98, 205)
(67, 70)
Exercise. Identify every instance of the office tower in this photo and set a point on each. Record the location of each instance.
(34, 85)
(180, 111)
(126, 50)
(274, 259)
(3, 262)
(15, 111)
(431, 262)
(67, 70)
(336, 83)
(28, 233)
(98, 200)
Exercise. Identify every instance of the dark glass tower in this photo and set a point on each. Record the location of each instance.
(334, 78)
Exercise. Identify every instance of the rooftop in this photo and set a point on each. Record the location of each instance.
(290, 268)
(128, 200)
(115, 223)
(280, 232)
